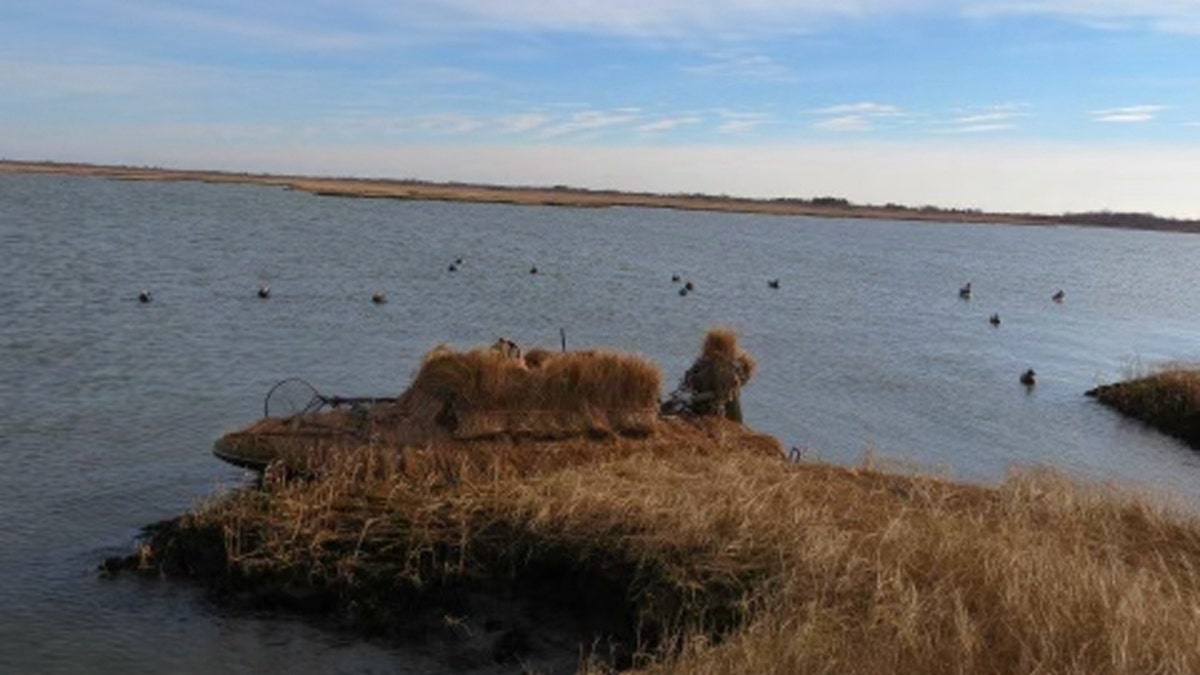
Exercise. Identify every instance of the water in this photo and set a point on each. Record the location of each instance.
(109, 407)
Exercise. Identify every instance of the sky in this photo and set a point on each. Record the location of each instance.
(1045, 106)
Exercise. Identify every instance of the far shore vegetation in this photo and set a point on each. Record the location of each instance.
(562, 195)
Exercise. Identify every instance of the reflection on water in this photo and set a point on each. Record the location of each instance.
(109, 406)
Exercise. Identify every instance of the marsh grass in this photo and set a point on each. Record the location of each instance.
(724, 560)
(1167, 399)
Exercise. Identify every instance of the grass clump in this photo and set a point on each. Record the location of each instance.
(1168, 400)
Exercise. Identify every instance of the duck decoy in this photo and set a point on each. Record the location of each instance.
(683, 291)
(774, 283)
(452, 268)
(1059, 296)
(994, 319)
(533, 270)
(675, 278)
(689, 287)
(379, 298)
(264, 292)
(965, 291)
(1029, 378)
(145, 297)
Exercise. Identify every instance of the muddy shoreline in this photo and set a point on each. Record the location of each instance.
(582, 198)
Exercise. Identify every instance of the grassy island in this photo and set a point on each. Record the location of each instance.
(1168, 400)
(600, 543)
(562, 195)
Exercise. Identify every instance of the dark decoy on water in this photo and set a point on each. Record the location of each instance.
(533, 270)
(1059, 296)
(683, 291)
(144, 297)
(453, 268)
(1029, 378)
(965, 291)
(994, 319)
(458, 261)
(675, 278)
(379, 298)
(774, 283)
(689, 287)
(264, 292)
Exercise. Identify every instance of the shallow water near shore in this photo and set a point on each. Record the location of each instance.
(110, 406)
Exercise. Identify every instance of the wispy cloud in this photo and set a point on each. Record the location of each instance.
(590, 121)
(1127, 114)
(742, 63)
(985, 120)
(255, 25)
(737, 122)
(517, 124)
(691, 18)
(852, 117)
(666, 124)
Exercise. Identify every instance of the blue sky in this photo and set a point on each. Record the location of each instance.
(1022, 105)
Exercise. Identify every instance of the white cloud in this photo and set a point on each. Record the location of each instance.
(590, 121)
(666, 124)
(742, 63)
(853, 117)
(515, 124)
(982, 120)
(863, 108)
(684, 18)
(844, 123)
(736, 122)
(1127, 114)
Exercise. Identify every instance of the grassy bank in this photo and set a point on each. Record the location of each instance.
(702, 553)
(1168, 400)
(821, 207)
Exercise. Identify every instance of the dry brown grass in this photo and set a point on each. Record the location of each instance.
(567, 394)
(1168, 400)
(735, 562)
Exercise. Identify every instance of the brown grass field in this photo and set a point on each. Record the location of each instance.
(577, 197)
(720, 558)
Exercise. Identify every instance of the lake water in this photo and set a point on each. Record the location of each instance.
(110, 407)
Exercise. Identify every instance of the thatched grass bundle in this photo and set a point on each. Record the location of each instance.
(487, 393)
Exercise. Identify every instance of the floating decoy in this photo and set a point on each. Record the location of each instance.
(453, 268)
(689, 287)
(1029, 378)
(965, 291)
(1059, 296)
(774, 283)
(533, 270)
(379, 298)
(683, 291)
(264, 292)
(144, 297)
(994, 319)
(675, 278)
(458, 261)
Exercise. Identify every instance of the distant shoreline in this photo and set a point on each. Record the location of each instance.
(821, 207)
